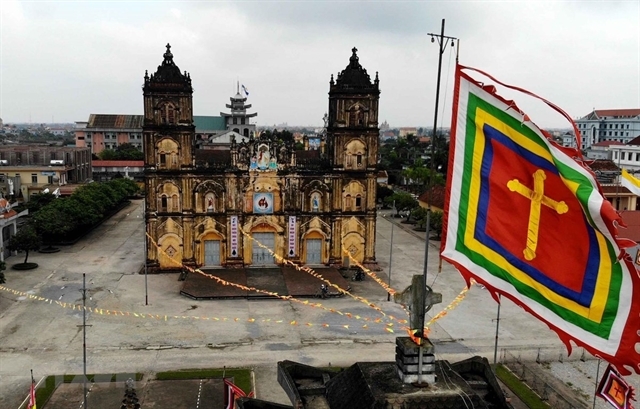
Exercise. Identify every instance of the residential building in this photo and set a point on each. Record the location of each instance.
(39, 167)
(601, 150)
(621, 125)
(109, 131)
(105, 170)
(306, 206)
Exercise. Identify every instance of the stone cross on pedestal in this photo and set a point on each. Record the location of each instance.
(412, 298)
(416, 363)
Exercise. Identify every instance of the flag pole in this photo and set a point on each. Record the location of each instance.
(442, 44)
(391, 251)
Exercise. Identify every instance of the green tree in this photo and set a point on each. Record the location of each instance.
(108, 154)
(423, 177)
(127, 151)
(38, 201)
(382, 192)
(436, 223)
(3, 266)
(26, 239)
(403, 202)
(53, 221)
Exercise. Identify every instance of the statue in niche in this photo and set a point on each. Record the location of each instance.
(210, 202)
(315, 202)
(263, 157)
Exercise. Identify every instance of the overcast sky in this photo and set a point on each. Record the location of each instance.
(66, 60)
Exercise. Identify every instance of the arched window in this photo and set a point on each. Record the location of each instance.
(358, 202)
(175, 205)
(163, 203)
(347, 202)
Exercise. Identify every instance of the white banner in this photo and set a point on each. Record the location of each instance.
(234, 236)
(292, 236)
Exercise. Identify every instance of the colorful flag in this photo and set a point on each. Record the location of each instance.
(529, 222)
(615, 390)
(32, 394)
(630, 182)
(245, 90)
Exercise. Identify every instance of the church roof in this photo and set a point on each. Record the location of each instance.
(211, 158)
(115, 121)
(209, 123)
(168, 76)
(354, 76)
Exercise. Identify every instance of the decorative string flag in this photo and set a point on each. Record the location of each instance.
(245, 90)
(630, 182)
(528, 221)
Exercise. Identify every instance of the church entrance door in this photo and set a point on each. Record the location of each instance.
(314, 251)
(261, 256)
(211, 253)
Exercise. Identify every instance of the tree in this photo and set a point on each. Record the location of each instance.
(436, 222)
(127, 151)
(38, 201)
(26, 239)
(423, 176)
(53, 221)
(382, 192)
(108, 154)
(403, 202)
(3, 266)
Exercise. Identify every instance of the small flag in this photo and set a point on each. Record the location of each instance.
(630, 182)
(615, 390)
(245, 90)
(32, 393)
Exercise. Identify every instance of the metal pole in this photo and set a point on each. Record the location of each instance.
(391, 251)
(495, 347)
(597, 381)
(441, 44)
(144, 211)
(84, 338)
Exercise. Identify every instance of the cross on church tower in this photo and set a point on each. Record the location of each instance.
(538, 199)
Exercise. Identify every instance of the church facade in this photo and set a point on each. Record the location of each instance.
(308, 206)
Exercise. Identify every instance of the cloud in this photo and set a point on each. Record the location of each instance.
(74, 59)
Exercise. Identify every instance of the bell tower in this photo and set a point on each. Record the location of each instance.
(352, 129)
(352, 150)
(168, 135)
(168, 113)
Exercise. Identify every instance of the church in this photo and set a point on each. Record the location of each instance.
(308, 206)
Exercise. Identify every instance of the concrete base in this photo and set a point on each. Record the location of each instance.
(408, 357)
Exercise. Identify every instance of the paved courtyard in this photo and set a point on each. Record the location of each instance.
(174, 332)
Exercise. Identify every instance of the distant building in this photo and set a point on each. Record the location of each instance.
(406, 131)
(109, 131)
(602, 150)
(621, 125)
(238, 120)
(105, 170)
(40, 167)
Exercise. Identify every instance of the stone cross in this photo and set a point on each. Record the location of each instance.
(412, 298)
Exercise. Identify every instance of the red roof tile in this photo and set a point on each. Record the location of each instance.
(618, 112)
(603, 164)
(118, 163)
(608, 143)
(632, 219)
(435, 195)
